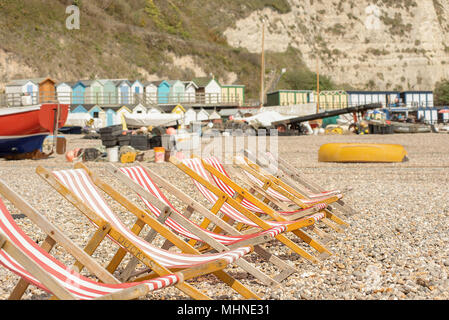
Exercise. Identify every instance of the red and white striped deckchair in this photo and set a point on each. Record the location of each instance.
(141, 177)
(227, 188)
(290, 175)
(313, 198)
(140, 180)
(215, 162)
(83, 190)
(21, 255)
(230, 207)
(198, 168)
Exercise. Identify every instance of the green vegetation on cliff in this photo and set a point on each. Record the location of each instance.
(132, 38)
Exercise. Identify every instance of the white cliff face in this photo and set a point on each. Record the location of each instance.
(11, 67)
(367, 44)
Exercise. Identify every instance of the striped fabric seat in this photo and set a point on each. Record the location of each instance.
(315, 198)
(213, 161)
(197, 166)
(322, 194)
(79, 286)
(78, 181)
(141, 177)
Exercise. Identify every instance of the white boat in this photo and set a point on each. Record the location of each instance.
(153, 119)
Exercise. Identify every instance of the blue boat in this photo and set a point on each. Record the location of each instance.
(11, 145)
(24, 129)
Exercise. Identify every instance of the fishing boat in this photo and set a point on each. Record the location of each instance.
(403, 127)
(24, 129)
(153, 119)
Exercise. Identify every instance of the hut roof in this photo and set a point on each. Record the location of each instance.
(204, 81)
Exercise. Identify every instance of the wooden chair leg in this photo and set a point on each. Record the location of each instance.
(93, 244)
(131, 266)
(312, 242)
(22, 285)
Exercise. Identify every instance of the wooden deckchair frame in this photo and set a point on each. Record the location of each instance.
(290, 193)
(268, 199)
(127, 246)
(56, 236)
(242, 193)
(294, 227)
(291, 176)
(193, 206)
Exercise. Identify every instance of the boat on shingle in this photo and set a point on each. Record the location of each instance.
(24, 129)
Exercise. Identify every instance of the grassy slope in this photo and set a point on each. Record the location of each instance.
(118, 37)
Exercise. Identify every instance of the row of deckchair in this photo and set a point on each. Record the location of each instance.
(239, 222)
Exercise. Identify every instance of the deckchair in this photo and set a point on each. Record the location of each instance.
(231, 207)
(274, 188)
(145, 183)
(227, 185)
(34, 264)
(279, 190)
(79, 186)
(290, 175)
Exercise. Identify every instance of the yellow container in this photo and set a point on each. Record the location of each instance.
(128, 157)
(361, 152)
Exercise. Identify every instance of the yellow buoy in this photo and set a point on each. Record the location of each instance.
(361, 152)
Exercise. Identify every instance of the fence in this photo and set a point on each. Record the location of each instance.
(148, 99)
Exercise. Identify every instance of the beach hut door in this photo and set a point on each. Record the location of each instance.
(124, 91)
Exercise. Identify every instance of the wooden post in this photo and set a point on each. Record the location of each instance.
(262, 66)
(318, 85)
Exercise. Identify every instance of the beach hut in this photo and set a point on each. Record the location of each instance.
(99, 116)
(64, 92)
(121, 111)
(47, 90)
(428, 115)
(333, 100)
(189, 116)
(123, 91)
(139, 109)
(289, 97)
(95, 92)
(209, 90)
(109, 92)
(233, 93)
(215, 117)
(179, 110)
(202, 115)
(78, 93)
(421, 99)
(386, 98)
(176, 92)
(111, 116)
(137, 91)
(78, 109)
(150, 93)
(15, 89)
(190, 92)
(163, 91)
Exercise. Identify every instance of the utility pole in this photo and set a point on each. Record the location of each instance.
(317, 85)
(262, 69)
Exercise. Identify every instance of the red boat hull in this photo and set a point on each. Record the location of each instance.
(32, 121)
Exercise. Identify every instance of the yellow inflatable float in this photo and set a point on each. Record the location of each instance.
(361, 152)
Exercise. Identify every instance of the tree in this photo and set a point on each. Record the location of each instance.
(442, 93)
(305, 80)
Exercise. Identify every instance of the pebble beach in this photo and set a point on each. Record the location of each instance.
(396, 247)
